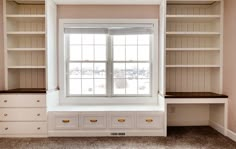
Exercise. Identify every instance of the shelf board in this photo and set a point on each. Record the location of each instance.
(23, 17)
(192, 66)
(194, 95)
(24, 90)
(193, 33)
(26, 67)
(192, 17)
(29, 1)
(26, 33)
(193, 2)
(192, 49)
(26, 49)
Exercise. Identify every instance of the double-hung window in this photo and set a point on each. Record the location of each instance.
(108, 60)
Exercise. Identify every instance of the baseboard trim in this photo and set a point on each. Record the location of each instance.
(231, 135)
(187, 123)
(217, 127)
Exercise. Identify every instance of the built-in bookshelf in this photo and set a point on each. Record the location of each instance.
(194, 46)
(25, 46)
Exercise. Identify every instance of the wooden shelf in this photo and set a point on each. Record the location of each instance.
(193, 17)
(26, 49)
(192, 66)
(193, 33)
(192, 49)
(196, 2)
(26, 67)
(26, 33)
(28, 17)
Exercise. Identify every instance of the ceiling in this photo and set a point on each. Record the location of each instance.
(109, 2)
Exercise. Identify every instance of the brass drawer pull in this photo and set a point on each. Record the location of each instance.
(65, 121)
(149, 120)
(93, 121)
(121, 120)
(6, 128)
(5, 114)
(38, 114)
(38, 128)
(38, 100)
(5, 100)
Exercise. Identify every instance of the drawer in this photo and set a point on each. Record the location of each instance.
(12, 128)
(92, 120)
(19, 100)
(66, 121)
(20, 114)
(149, 120)
(121, 120)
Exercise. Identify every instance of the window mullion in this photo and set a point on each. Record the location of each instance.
(109, 66)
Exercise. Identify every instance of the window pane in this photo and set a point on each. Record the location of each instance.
(100, 53)
(143, 86)
(131, 40)
(144, 39)
(87, 53)
(100, 39)
(75, 70)
(87, 39)
(119, 40)
(75, 38)
(100, 86)
(131, 86)
(119, 86)
(74, 86)
(87, 70)
(143, 53)
(131, 53)
(87, 86)
(119, 53)
(143, 70)
(75, 52)
(99, 70)
(131, 70)
(119, 70)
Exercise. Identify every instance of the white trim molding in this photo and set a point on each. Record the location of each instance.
(231, 135)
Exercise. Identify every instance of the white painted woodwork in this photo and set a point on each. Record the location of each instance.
(23, 114)
(93, 120)
(23, 128)
(65, 121)
(22, 101)
(149, 120)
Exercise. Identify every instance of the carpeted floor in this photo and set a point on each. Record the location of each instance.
(178, 138)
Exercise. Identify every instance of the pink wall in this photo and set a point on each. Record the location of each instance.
(1, 48)
(230, 59)
(108, 11)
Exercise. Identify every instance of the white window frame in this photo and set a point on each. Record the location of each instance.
(108, 99)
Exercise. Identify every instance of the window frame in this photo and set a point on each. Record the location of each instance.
(108, 99)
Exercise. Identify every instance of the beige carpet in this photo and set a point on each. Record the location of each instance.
(178, 138)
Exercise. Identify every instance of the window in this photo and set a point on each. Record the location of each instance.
(108, 60)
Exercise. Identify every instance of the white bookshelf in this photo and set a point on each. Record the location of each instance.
(194, 46)
(25, 46)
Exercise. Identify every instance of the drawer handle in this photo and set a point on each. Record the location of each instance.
(38, 128)
(38, 114)
(6, 128)
(121, 120)
(5, 114)
(38, 100)
(5, 100)
(65, 121)
(149, 120)
(93, 121)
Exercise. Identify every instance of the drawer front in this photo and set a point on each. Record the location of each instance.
(17, 100)
(34, 128)
(66, 121)
(121, 120)
(149, 120)
(20, 114)
(93, 120)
